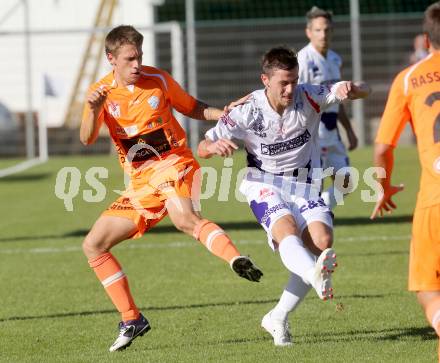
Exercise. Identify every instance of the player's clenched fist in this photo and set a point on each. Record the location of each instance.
(351, 90)
(222, 147)
(96, 99)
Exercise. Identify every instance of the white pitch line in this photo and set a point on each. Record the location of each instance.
(182, 244)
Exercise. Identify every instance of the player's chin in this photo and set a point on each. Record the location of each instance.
(134, 77)
(287, 101)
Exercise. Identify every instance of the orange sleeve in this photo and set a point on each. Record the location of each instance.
(180, 99)
(396, 114)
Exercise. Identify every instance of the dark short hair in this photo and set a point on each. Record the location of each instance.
(431, 24)
(122, 35)
(316, 12)
(279, 58)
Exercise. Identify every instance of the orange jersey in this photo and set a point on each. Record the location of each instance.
(415, 97)
(140, 118)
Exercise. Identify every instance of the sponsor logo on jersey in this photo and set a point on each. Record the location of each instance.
(123, 204)
(153, 124)
(312, 204)
(281, 147)
(155, 143)
(227, 120)
(258, 124)
(263, 213)
(265, 192)
(154, 101)
(114, 109)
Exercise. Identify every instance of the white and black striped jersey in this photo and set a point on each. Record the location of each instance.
(274, 143)
(314, 68)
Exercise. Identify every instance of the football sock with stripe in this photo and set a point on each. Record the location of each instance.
(215, 240)
(109, 272)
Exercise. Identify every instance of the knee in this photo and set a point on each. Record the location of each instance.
(186, 224)
(92, 247)
(284, 227)
(324, 241)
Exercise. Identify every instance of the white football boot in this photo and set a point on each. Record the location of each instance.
(279, 329)
(322, 278)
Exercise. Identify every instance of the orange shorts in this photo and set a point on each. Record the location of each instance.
(424, 256)
(144, 199)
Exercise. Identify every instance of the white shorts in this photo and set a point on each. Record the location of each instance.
(334, 156)
(268, 205)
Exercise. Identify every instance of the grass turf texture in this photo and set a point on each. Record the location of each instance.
(54, 310)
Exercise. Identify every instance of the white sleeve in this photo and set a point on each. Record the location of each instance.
(322, 95)
(231, 125)
(334, 89)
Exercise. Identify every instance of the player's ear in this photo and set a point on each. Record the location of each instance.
(111, 58)
(308, 33)
(426, 42)
(265, 79)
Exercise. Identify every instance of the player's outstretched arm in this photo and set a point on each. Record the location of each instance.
(204, 112)
(236, 103)
(90, 124)
(223, 147)
(359, 90)
(384, 158)
(351, 90)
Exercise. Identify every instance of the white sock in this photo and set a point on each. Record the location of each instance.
(291, 297)
(297, 258)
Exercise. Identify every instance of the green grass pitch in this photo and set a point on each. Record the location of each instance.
(53, 309)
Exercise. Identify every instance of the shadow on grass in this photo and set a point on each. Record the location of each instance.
(354, 221)
(391, 334)
(398, 333)
(228, 226)
(380, 253)
(180, 307)
(156, 230)
(25, 177)
(149, 308)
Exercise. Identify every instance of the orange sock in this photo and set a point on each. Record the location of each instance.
(109, 272)
(215, 240)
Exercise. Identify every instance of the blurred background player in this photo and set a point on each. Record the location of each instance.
(279, 127)
(420, 51)
(415, 97)
(320, 65)
(136, 104)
